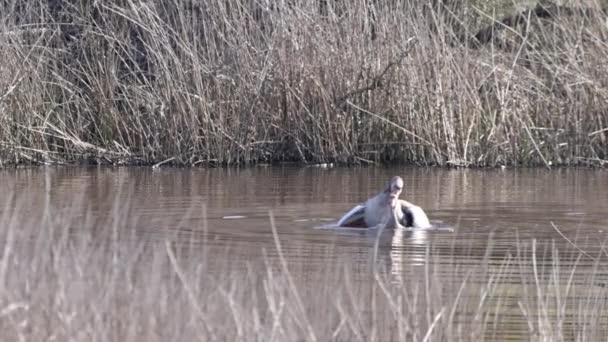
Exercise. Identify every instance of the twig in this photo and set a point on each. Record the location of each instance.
(572, 243)
(598, 132)
(292, 284)
(361, 159)
(156, 166)
(377, 80)
(381, 227)
(536, 146)
(427, 336)
(193, 300)
(391, 123)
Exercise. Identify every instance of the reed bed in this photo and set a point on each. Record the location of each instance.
(249, 81)
(67, 275)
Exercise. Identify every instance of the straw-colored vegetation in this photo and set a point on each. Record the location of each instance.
(68, 277)
(245, 81)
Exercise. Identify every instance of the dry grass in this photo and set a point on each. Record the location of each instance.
(69, 277)
(225, 82)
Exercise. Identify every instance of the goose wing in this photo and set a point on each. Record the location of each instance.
(414, 216)
(354, 218)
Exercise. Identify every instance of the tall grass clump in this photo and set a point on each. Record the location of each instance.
(245, 81)
(69, 273)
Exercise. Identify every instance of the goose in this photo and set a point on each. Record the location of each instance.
(386, 208)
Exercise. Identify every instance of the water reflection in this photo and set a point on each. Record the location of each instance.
(416, 239)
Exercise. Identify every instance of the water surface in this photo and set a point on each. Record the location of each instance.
(495, 214)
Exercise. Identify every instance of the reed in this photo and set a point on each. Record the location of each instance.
(237, 82)
(67, 273)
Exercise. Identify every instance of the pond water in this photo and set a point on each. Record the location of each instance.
(228, 211)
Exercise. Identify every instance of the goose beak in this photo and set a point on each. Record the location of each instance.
(394, 190)
(394, 198)
(395, 193)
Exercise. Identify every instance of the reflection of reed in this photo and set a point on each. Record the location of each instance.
(433, 189)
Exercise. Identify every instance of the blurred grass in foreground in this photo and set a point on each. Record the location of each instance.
(65, 276)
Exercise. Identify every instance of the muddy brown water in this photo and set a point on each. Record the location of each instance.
(228, 211)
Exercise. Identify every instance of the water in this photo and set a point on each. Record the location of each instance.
(228, 211)
(238, 202)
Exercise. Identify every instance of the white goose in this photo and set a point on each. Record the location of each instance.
(386, 208)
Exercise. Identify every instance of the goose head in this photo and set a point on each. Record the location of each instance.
(393, 190)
